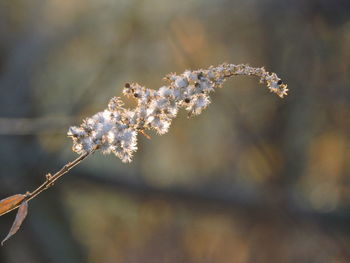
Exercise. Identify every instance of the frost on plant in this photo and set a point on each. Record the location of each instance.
(115, 129)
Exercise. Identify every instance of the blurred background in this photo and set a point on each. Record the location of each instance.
(252, 179)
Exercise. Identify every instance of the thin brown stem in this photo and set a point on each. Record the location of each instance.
(51, 179)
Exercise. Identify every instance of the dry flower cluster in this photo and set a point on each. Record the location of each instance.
(115, 129)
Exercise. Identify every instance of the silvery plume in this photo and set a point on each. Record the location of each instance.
(115, 129)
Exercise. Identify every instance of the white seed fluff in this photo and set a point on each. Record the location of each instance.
(115, 129)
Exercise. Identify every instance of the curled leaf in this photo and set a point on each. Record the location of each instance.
(7, 204)
(21, 215)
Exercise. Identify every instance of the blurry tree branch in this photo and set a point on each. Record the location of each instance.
(32, 126)
(256, 206)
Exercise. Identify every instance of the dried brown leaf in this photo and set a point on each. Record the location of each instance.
(21, 215)
(7, 204)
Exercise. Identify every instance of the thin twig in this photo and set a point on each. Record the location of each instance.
(51, 179)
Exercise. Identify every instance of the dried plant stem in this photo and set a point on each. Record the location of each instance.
(51, 179)
(115, 129)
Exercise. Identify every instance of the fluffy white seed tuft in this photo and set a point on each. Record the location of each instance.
(115, 129)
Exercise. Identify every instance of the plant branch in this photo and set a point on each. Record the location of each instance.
(115, 129)
(51, 179)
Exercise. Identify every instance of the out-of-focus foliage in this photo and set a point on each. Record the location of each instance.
(253, 179)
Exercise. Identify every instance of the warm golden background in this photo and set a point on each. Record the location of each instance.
(253, 179)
